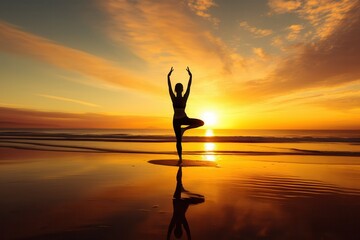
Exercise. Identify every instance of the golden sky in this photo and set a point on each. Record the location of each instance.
(256, 64)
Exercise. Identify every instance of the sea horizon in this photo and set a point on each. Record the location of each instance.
(198, 131)
(199, 142)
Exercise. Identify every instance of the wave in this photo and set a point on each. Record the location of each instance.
(289, 187)
(90, 149)
(16, 135)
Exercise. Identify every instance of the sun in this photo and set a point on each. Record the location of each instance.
(209, 118)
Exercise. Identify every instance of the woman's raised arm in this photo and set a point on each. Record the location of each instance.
(189, 83)
(172, 95)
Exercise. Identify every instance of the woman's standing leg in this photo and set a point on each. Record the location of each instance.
(178, 134)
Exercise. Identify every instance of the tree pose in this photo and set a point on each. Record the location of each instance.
(180, 118)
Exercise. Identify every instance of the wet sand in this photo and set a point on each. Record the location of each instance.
(82, 195)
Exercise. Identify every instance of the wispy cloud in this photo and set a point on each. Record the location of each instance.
(342, 104)
(260, 52)
(317, 97)
(257, 32)
(283, 6)
(333, 61)
(294, 31)
(166, 30)
(2, 104)
(69, 100)
(324, 15)
(278, 41)
(14, 40)
(201, 7)
(24, 117)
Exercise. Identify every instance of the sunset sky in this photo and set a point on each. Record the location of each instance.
(256, 64)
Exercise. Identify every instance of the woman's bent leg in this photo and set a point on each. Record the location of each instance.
(192, 123)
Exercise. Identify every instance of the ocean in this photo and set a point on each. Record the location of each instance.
(196, 142)
(127, 184)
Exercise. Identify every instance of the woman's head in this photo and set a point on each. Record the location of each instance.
(178, 88)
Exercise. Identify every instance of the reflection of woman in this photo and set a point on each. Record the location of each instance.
(180, 206)
(180, 117)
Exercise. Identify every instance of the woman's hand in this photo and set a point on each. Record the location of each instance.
(171, 70)
(188, 70)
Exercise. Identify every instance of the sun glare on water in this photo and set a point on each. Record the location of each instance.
(210, 120)
(209, 133)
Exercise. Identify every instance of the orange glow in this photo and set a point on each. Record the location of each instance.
(119, 79)
(209, 133)
(209, 148)
(210, 119)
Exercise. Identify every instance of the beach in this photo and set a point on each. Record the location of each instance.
(121, 184)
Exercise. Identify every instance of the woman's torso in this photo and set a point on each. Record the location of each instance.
(179, 104)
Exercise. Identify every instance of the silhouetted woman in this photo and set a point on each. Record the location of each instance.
(180, 118)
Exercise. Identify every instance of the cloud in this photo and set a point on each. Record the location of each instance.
(295, 30)
(14, 40)
(201, 7)
(283, 6)
(260, 52)
(278, 41)
(69, 100)
(323, 15)
(333, 61)
(341, 98)
(257, 32)
(22, 117)
(344, 104)
(166, 33)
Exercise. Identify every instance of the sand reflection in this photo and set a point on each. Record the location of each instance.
(182, 199)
